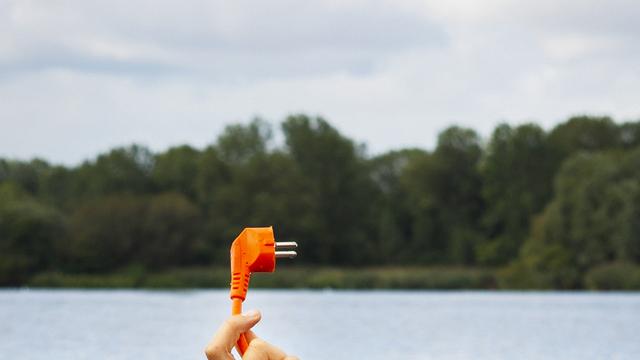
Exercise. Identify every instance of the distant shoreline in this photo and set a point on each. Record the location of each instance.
(391, 278)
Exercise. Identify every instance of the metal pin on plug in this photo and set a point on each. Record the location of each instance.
(286, 245)
(286, 254)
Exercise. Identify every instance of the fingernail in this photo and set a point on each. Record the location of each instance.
(251, 313)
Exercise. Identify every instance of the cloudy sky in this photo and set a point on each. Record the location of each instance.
(79, 77)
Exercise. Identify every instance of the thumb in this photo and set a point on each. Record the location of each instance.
(231, 329)
(242, 323)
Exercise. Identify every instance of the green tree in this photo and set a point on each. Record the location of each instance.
(583, 133)
(57, 186)
(170, 233)
(630, 134)
(212, 174)
(29, 232)
(393, 209)
(238, 143)
(517, 172)
(225, 184)
(104, 233)
(177, 170)
(265, 190)
(563, 202)
(122, 170)
(340, 188)
(592, 220)
(26, 174)
(445, 189)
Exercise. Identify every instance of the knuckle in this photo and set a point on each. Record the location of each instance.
(211, 351)
(231, 324)
(258, 344)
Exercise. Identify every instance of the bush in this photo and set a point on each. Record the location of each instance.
(518, 276)
(60, 280)
(291, 277)
(29, 232)
(614, 276)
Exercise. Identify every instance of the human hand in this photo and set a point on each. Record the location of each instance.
(219, 348)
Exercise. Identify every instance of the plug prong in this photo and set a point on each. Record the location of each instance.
(286, 254)
(286, 245)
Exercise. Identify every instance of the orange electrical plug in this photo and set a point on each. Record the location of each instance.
(254, 250)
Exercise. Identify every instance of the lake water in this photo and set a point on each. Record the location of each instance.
(69, 324)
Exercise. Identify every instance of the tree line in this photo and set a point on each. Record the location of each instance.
(547, 207)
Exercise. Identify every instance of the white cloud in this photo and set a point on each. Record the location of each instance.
(77, 77)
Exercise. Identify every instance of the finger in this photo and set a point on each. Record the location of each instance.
(250, 335)
(289, 357)
(226, 337)
(235, 325)
(260, 350)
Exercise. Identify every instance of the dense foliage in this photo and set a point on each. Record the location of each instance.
(556, 209)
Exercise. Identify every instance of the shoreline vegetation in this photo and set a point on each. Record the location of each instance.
(525, 208)
(371, 278)
(284, 278)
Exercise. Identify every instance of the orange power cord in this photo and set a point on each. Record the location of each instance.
(254, 250)
(236, 309)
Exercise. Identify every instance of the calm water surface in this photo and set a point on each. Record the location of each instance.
(65, 324)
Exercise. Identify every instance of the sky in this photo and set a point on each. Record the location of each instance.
(80, 77)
